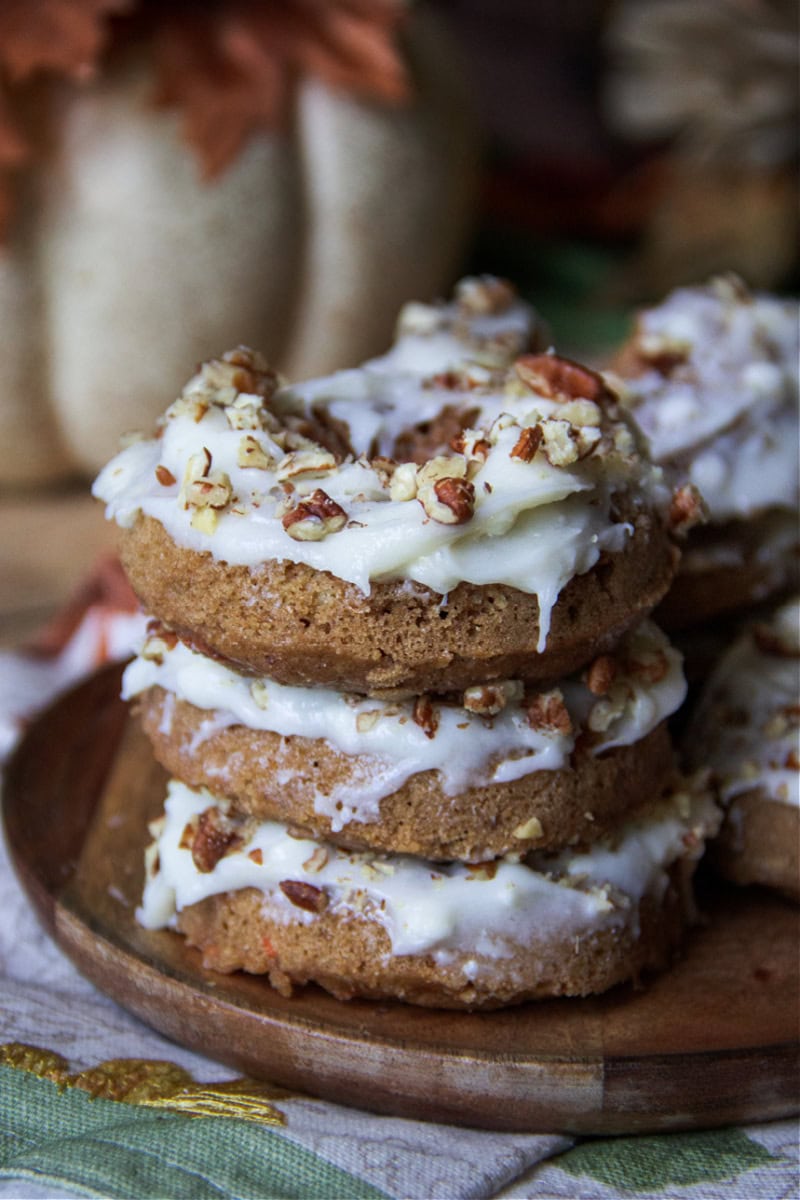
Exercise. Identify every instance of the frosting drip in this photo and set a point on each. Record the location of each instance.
(747, 726)
(712, 377)
(427, 907)
(388, 746)
(244, 476)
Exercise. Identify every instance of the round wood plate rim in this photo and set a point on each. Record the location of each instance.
(385, 1057)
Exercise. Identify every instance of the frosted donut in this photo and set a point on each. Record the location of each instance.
(711, 376)
(747, 730)
(501, 771)
(269, 525)
(252, 897)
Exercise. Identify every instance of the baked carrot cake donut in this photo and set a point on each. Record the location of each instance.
(253, 897)
(274, 528)
(747, 729)
(497, 769)
(712, 378)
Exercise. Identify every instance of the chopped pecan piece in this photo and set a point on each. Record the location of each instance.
(527, 443)
(456, 497)
(216, 836)
(686, 509)
(601, 674)
(426, 716)
(547, 711)
(314, 518)
(304, 895)
(559, 379)
(165, 476)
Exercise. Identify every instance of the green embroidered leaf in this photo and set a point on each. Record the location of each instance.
(97, 1147)
(646, 1164)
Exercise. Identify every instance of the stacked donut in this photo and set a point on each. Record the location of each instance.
(401, 670)
(711, 375)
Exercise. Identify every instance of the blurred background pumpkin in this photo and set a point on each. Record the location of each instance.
(178, 178)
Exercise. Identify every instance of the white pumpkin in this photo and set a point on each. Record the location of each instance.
(124, 270)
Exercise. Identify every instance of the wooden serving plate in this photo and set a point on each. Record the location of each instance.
(712, 1042)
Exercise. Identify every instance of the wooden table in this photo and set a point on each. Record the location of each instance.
(48, 542)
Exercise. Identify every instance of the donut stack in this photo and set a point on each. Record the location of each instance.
(400, 668)
(711, 375)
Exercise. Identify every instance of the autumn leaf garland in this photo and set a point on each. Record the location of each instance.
(229, 66)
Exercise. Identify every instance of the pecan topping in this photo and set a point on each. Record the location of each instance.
(304, 895)
(457, 496)
(425, 716)
(165, 476)
(601, 675)
(485, 294)
(489, 699)
(686, 509)
(216, 836)
(558, 378)
(527, 443)
(314, 518)
(547, 711)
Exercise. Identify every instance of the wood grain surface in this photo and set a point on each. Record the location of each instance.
(48, 543)
(713, 1041)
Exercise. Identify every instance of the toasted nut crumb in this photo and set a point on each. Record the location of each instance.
(404, 482)
(547, 711)
(304, 895)
(455, 501)
(483, 870)
(426, 716)
(601, 674)
(609, 708)
(663, 353)
(317, 860)
(257, 856)
(259, 690)
(559, 379)
(307, 463)
(487, 700)
(581, 413)
(165, 476)
(314, 518)
(216, 836)
(504, 421)
(252, 454)
(529, 829)
(483, 295)
(559, 444)
(472, 444)
(686, 509)
(651, 666)
(204, 520)
(527, 443)
(368, 720)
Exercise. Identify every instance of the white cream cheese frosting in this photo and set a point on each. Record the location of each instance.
(747, 725)
(719, 402)
(235, 474)
(426, 907)
(466, 749)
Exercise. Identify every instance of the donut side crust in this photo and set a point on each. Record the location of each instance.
(759, 843)
(574, 804)
(308, 628)
(350, 956)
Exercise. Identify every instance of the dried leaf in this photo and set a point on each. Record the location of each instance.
(63, 36)
(231, 68)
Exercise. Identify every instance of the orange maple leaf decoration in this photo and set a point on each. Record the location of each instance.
(65, 37)
(231, 68)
